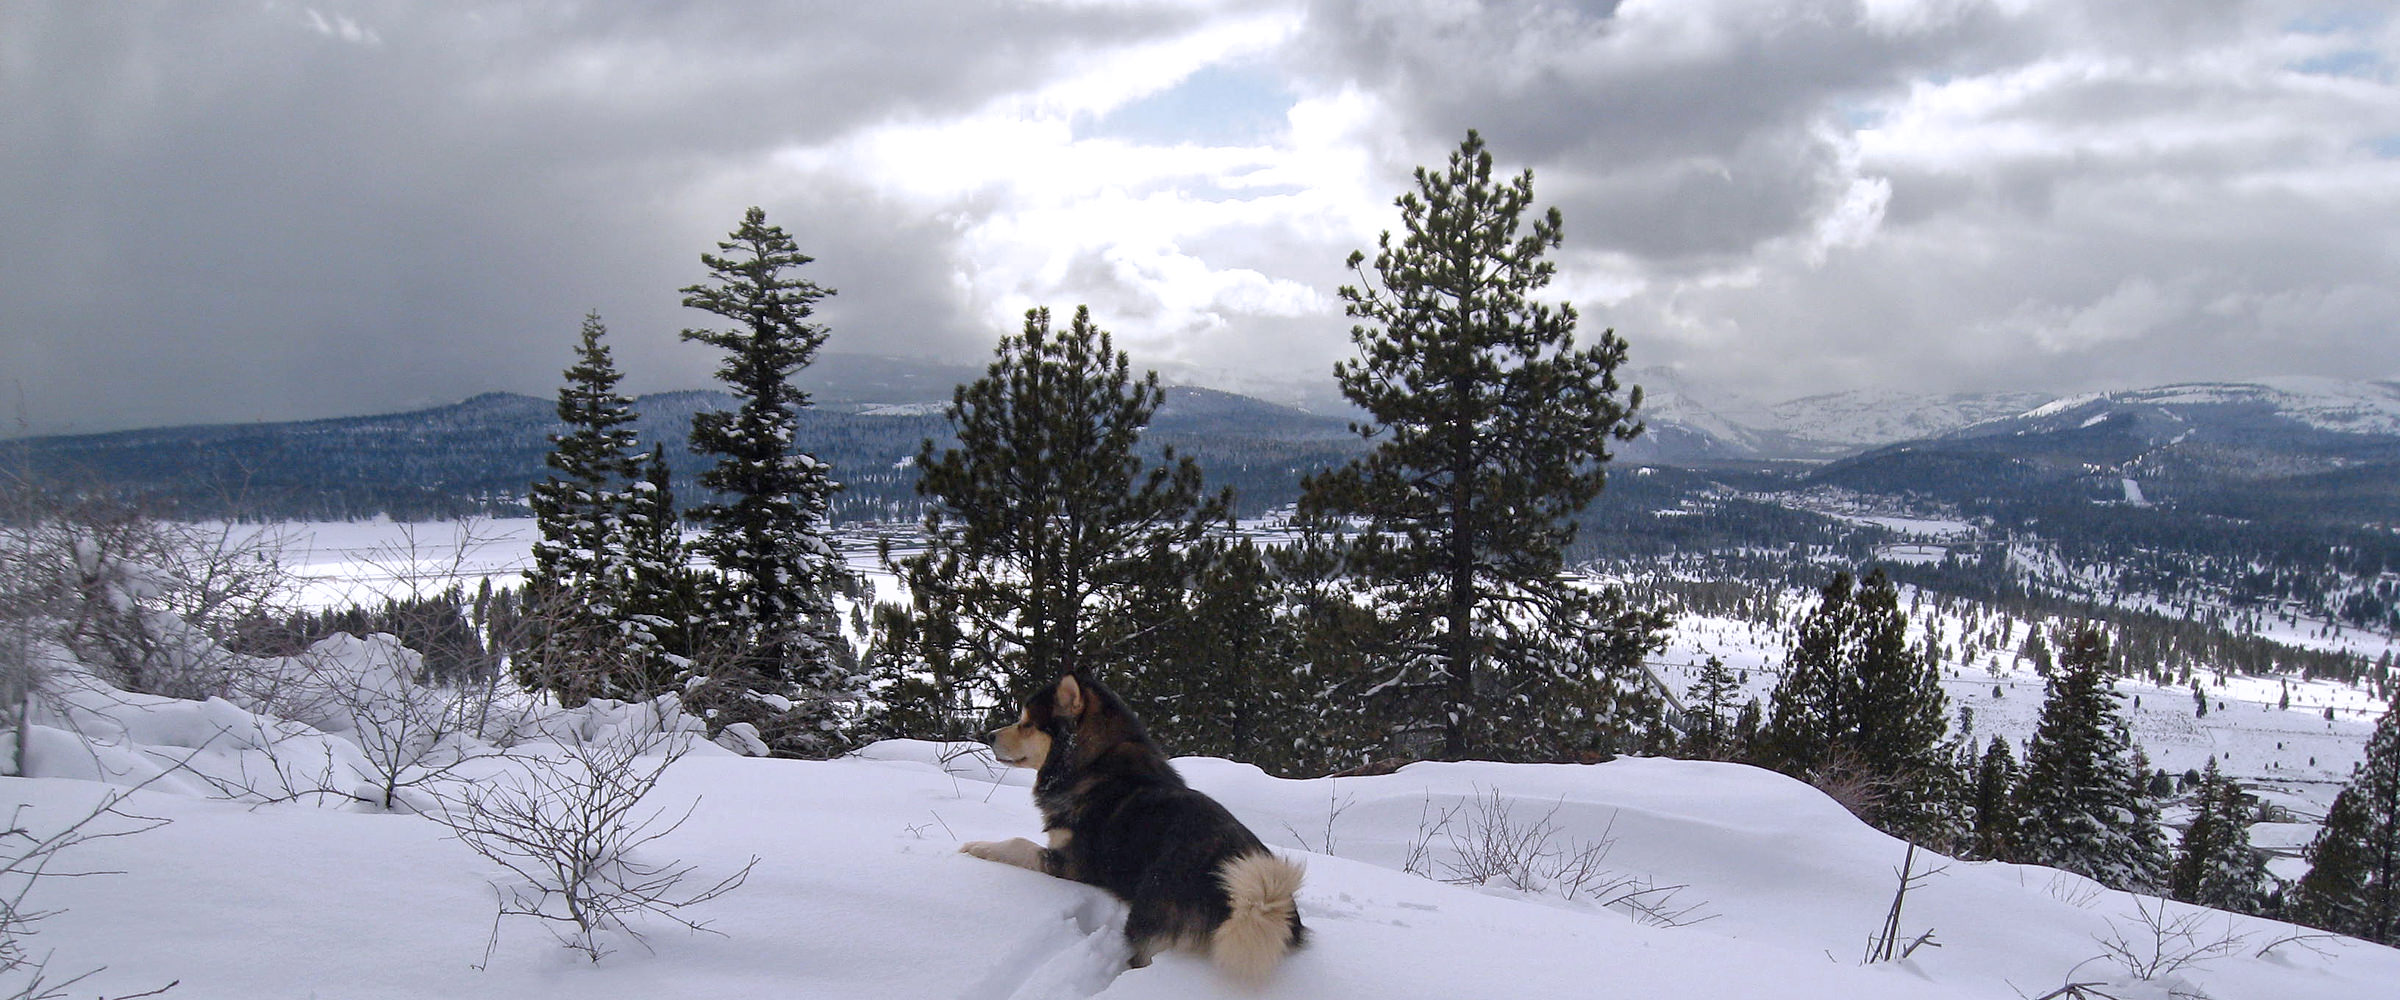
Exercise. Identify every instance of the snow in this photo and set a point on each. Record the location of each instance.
(2329, 404)
(860, 892)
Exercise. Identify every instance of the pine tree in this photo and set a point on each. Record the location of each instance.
(2214, 864)
(1712, 698)
(662, 596)
(2353, 880)
(1997, 824)
(1336, 717)
(1215, 669)
(766, 527)
(1046, 517)
(2082, 795)
(578, 511)
(1857, 704)
(1491, 431)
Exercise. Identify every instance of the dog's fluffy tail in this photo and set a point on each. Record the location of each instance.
(1266, 921)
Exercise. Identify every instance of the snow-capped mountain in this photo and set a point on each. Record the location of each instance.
(2275, 450)
(2291, 403)
(1818, 427)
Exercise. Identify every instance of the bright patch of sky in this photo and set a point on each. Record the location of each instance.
(1219, 105)
(2364, 64)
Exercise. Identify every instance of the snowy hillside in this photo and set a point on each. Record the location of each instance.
(1844, 423)
(2293, 757)
(1862, 419)
(859, 892)
(1634, 878)
(1826, 425)
(2322, 404)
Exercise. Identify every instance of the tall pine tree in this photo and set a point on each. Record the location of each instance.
(2083, 797)
(766, 525)
(579, 512)
(1710, 717)
(1491, 430)
(1047, 515)
(1858, 705)
(2353, 880)
(2214, 863)
(1996, 825)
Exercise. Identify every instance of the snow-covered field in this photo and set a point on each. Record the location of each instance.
(859, 892)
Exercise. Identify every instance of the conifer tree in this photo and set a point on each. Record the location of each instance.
(662, 596)
(1712, 697)
(766, 525)
(1997, 824)
(1046, 515)
(1214, 668)
(578, 511)
(1334, 718)
(1856, 698)
(2082, 795)
(1491, 430)
(2214, 864)
(2353, 880)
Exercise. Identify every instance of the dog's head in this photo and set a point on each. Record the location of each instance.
(1074, 710)
(1052, 715)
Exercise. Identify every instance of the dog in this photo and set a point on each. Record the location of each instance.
(1119, 817)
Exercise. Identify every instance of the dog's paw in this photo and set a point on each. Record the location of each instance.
(1016, 851)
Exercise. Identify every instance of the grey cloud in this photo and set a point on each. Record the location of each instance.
(211, 212)
(218, 212)
(2148, 168)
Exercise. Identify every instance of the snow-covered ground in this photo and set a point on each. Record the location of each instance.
(1636, 878)
(859, 892)
(2294, 755)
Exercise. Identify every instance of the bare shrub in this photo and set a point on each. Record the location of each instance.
(1490, 845)
(2155, 943)
(2315, 942)
(149, 603)
(2072, 889)
(1861, 789)
(1334, 808)
(29, 858)
(571, 832)
(1885, 945)
(410, 733)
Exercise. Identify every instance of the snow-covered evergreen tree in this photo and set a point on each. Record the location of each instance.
(767, 522)
(1491, 430)
(1996, 823)
(2082, 795)
(1046, 517)
(1216, 670)
(1858, 705)
(2214, 863)
(1710, 719)
(2353, 880)
(661, 595)
(579, 512)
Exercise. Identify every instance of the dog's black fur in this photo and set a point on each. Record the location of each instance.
(1120, 818)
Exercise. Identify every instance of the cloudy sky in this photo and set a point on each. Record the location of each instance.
(243, 211)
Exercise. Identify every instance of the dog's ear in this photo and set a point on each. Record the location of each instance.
(1068, 700)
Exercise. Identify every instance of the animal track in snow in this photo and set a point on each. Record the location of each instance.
(1068, 955)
